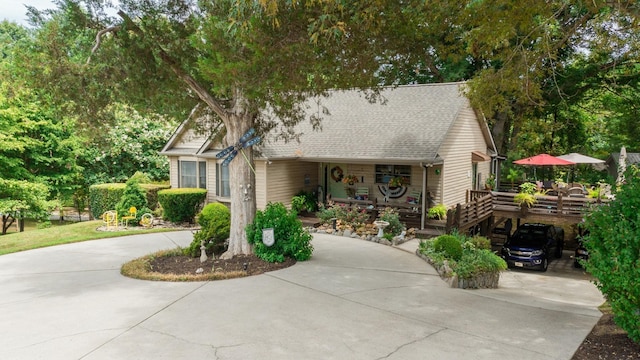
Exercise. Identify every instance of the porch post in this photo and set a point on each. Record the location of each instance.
(423, 201)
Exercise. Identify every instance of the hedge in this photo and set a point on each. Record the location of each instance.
(181, 205)
(104, 197)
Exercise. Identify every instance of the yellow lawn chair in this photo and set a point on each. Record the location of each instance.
(133, 213)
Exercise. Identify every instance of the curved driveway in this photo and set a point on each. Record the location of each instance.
(353, 300)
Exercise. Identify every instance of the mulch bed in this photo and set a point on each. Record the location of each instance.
(607, 341)
(189, 265)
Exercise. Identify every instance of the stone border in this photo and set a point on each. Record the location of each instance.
(487, 280)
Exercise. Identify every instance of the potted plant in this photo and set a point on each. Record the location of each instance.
(526, 196)
(438, 212)
(490, 183)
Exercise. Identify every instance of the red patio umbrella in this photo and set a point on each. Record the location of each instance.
(543, 160)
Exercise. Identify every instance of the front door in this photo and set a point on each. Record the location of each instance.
(335, 187)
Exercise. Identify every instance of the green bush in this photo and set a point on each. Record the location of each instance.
(304, 201)
(449, 245)
(105, 197)
(215, 222)
(395, 227)
(614, 253)
(438, 212)
(140, 177)
(468, 260)
(481, 242)
(334, 211)
(477, 261)
(181, 205)
(151, 190)
(133, 196)
(291, 239)
(353, 216)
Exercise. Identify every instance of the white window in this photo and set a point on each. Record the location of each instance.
(202, 174)
(222, 181)
(190, 176)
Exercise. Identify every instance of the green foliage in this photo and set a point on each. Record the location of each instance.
(181, 205)
(353, 216)
(449, 245)
(468, 259)
(438, 212)
(614, 253)
(513, 176)
(304, 201)
(476, 261)
(36, 143)
(481, 242)
(128, 149)
(21, 199)
(395, 227)
(291, 239)
(133, 196)
(526, 196)
(215, 222)
(333, 211)
(104, 197)
(140, 178)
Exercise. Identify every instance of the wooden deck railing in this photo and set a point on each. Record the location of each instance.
(549, 209)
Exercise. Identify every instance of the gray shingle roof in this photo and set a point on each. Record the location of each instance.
(409, 127)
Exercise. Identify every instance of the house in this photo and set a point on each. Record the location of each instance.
(613, 162)
(427, 135)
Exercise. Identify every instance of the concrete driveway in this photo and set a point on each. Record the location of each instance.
(353, 300)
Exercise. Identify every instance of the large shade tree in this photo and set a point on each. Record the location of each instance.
(235, 57)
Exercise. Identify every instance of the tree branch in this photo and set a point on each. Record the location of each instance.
(203, 93)
(99, 40)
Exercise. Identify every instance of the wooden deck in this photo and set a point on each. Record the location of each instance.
(486, 210)
(499, 206)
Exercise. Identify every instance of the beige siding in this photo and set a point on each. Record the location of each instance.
(211, 180)
(189, 139)
(286, 178)
(464, 137)
(173, 171)
(261, 167)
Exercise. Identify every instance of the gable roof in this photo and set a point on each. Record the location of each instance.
(632, 158)
(409, 127)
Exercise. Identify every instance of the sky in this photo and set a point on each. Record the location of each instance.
(15, 10)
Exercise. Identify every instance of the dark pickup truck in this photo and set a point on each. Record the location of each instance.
(532, 246)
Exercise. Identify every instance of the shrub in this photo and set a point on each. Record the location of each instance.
(104, 197)
(614, 253)
(477, 261)
(449, 245)
(181, 205)
(215, 222)
(481, 242)
(133, 195)
(438, 212)
(395, 227)
(353, 216)
(334, 211)
(140, 177)
(291, 239)
(304, 201)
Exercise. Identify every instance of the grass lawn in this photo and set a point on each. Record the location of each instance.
(62, 234)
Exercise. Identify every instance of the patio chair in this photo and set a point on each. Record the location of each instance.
(362, 193)
(414, 197)
(133, 213)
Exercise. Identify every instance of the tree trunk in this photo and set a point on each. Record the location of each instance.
(242, 181)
